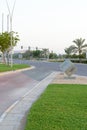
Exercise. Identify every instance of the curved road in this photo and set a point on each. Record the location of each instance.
(13, 86)
(55, 66)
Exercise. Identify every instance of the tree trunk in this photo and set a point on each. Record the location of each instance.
(79, 57)
(7, 58)
(4, 58)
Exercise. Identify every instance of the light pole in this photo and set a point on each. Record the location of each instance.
(11, 33)
(2, 22)
(8, 23)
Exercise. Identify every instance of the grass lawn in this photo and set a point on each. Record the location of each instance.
(4, 68)
(60, 107)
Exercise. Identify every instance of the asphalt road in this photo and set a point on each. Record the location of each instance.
(14, 86)
(55, 66)
(81, 69)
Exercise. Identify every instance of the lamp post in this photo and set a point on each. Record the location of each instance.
(11, 33)
(8, 23)
(2, 22)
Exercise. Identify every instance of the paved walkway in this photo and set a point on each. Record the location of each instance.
(13, 118)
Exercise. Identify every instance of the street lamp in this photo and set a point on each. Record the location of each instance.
(11, 33)
(2, 22)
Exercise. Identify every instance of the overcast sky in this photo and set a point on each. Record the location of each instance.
(52, 24)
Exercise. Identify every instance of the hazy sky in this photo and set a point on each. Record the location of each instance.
(52, 24)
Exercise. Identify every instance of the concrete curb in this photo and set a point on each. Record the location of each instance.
(11, 119)
(15, 71)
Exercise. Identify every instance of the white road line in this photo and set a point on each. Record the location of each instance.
(8, 110)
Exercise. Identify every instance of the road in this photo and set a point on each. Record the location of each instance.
(81, 69)
(55, 66)
(14, 86)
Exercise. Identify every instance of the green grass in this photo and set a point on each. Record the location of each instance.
(4, 68)
(60, 107)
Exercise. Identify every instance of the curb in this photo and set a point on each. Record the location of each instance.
(15, 71)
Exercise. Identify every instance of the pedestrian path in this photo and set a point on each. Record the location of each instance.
(12, 118)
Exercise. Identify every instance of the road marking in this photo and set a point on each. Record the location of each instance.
(8, 110)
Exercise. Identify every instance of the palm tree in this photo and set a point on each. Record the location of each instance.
(79, 46)
(45, 52)
(69, 51)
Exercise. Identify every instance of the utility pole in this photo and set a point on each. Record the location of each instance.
(2, 22)
(11, 33)
(8, 23)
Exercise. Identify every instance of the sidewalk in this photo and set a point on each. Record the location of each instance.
(13, 118)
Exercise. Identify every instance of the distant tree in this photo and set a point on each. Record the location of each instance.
(27, 54)
(36, 53)
(53, 56)
(45, 52)
(69, 51)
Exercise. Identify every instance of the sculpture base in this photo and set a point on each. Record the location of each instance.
(70, 77)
